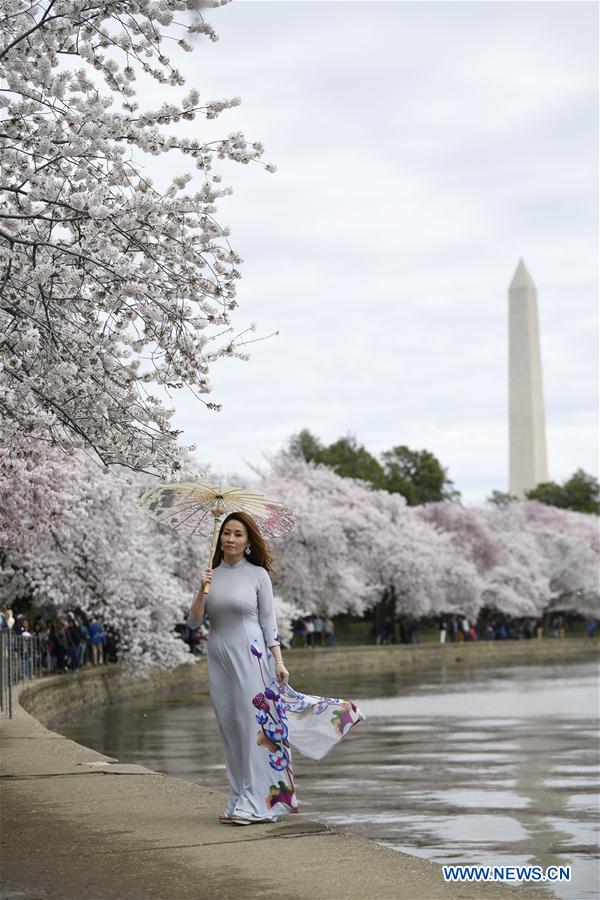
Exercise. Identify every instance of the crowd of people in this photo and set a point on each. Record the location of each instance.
(314, 631)
(308, 631)
(458, 628)
(70, 641)
(65, 643)
(455, 629)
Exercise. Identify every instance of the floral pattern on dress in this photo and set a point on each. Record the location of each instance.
(316, 724)
(273, 736)
(344, 715)
(311, 725)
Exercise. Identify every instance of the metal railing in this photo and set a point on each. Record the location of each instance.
(21, 658)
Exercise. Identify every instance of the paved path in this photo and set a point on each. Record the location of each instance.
(78, 826)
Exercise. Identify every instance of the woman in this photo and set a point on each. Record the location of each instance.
(258, 713)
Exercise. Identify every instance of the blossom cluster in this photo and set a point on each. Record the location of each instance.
(70, 537)
(354, 545)
(108, 284)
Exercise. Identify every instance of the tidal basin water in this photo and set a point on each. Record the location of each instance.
(473, 766)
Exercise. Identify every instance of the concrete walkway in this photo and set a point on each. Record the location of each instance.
(77, 825)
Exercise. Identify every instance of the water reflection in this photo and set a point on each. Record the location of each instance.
(492, 767)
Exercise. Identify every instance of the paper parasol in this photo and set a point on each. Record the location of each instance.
(197, 507)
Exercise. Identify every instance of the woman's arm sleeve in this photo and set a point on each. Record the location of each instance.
(190, 621)
(266, 611)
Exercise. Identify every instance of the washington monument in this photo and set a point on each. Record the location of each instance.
(528, 465)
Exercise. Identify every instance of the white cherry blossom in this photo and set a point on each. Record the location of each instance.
(108, 285)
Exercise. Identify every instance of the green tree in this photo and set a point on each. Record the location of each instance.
(500, 498)
(548, 492)
(580, 493)
(345, 456)
(417, 475)
(306, 445)
(351, 460)
(583, 493)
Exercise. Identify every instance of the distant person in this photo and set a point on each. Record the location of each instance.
(318, 634)
(48, 646)
(84, 643)
(389, 632)
(61, 643)
(300, 631)
(97, 639)
(309, 630)
(74, 638)
(591, 628)
(328, 631)
(442, 631)
(413, 633)
(24, 649)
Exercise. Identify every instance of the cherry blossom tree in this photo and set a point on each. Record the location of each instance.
(71, 537)
(569, 543)
(286, 613)
(33, 497)
(530, 555)
(467, 530)
(519, 585)
(508, 561)
(108, 284)
(352, 544)
(100, 554)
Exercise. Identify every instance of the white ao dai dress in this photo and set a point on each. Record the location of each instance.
(258, 721)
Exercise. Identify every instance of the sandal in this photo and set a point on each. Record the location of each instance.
(237, 820)
(224, 818)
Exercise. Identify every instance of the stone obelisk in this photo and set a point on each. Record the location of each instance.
(528, 464)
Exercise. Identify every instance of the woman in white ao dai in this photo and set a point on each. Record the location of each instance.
(260, 716)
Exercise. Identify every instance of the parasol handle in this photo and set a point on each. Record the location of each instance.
(213, 544)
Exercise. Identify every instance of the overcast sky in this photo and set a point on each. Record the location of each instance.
(422, 148)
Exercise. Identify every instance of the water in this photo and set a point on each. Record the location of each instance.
(478, 766)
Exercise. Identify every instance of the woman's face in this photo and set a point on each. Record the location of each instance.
(234, 538)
